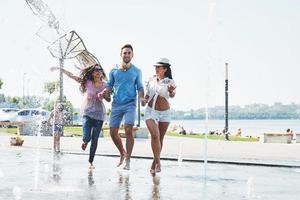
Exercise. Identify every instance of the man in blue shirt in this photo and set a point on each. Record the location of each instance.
(124, 80)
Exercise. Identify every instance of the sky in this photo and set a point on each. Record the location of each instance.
(259, 39)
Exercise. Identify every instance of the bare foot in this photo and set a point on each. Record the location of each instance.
(152, 172)
(153, 165)
(152, 168)
(127, 164)
(91, 166)
(122, 157)
(157, 168)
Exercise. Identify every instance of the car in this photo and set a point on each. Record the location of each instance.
(7, 115)
(32, 115)
(35, 120)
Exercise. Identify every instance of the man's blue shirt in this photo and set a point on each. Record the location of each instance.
(125, 84)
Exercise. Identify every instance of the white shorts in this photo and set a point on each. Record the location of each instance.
(158, 116)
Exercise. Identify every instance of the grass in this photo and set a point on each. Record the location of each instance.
(214, 137)
(77, 131)
(9, 131)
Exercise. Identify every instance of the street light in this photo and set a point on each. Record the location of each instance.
(226, 101)
(23, 98)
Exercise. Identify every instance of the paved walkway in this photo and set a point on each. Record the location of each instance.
(189, 149)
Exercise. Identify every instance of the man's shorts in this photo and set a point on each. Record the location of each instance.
(119, 111)
(157, 116)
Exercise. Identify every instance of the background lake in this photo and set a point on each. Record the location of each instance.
(249, 127)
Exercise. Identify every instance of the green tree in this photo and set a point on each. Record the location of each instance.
(51, 87)
(15, 100)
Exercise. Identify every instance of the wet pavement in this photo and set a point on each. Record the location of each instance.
(40, 174)
(186, 148)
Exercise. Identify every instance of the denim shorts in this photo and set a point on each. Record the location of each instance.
(118, 111)
(58, 128)
(157, 116)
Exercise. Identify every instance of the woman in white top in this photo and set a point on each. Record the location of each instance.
(157, 115)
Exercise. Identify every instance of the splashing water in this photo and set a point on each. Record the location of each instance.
(249, 187)
(42, 10)
(1, 173)
(37, 160)
(17, 192)
(179, 159)
(211, 20)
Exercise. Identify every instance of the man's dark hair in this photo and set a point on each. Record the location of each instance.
(127, 46)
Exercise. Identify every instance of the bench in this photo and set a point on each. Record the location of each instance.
(278, 138)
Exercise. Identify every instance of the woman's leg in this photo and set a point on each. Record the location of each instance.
(155, 142)
(58, 142)
(86, 129)
(163, 127)
(97, 126)
(54, 142)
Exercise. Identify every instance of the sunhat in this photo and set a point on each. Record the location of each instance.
(162, 61)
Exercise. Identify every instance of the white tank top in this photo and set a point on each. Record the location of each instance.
(155, 87)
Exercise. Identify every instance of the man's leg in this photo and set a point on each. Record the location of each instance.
(114, 133)
(114, 123)
(129, 144)
(129, 139)
(128, 125)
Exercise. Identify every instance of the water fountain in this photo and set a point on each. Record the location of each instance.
(185, 181)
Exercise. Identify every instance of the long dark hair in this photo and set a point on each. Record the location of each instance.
(168, 73)
(86, 74)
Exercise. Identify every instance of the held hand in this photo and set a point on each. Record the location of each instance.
(144, 101)
(106, 95)
(52, 69)
(100, 96)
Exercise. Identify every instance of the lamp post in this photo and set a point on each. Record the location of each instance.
(61, 80)
(226, 102)
(28, 80)
(23, 98)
